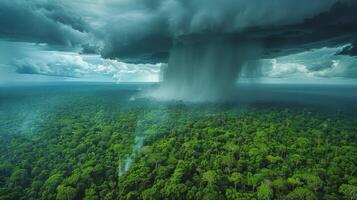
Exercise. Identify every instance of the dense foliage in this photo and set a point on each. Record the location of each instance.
(258, 154)
(102, 148)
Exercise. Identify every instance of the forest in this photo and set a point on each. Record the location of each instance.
(100, 147)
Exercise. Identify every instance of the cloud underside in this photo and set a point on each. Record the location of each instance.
(142, 31)
(290, 34)
(279, 31)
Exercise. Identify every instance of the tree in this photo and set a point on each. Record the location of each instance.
(174, 191)
(264, 192)
(177, 175)
(348, 191)
(279, 186)
(66, 193)
(312, 181)
(210, 194)
(210, 177)
(301, 193)
(236, 178)
(150, 194)
(18, 178)
(90, 194)
(274, 159)
(232, 194)
(50, 185)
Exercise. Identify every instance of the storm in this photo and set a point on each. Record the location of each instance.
(196, 50)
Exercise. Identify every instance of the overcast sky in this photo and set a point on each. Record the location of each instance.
(130, 40)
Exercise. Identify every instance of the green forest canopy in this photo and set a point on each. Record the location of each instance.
(189, 152)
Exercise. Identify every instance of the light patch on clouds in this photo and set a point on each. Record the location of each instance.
(70, 64)
(322, 63)
(280, 70)
(28, 62)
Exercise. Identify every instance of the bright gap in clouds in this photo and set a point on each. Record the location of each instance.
(29, 62)
(322, 65)
(84, 67)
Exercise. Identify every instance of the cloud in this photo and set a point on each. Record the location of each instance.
(314, 64)
(141, 31)
(53, 63)
(66, 65)
(42, 21)
(147, 31)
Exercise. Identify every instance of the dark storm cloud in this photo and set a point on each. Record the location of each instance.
(41, 21)
(148, 31)
(350, 50)
(332, 28)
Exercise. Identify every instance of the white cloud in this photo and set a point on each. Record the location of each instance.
(70, 64)
(315, 64)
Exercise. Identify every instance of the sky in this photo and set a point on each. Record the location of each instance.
(131, 40)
